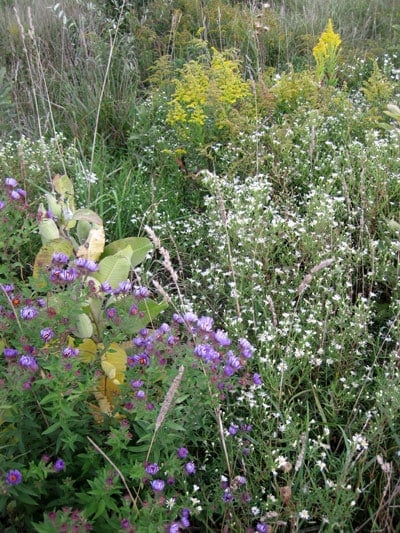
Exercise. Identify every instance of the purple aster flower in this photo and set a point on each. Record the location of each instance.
(10, 352)
(14, 195)
(69, 351)
(59, 258)
(141, 292)
(106, 287)
(222, 337)
(171, 340)
(190, 467)
(86, 264)
(185, 521)
(205, 323)
(10, 182)
(206, 352)
(47, 334)
(125, 524)
(59, 465)
(27, 361)
(261, 527)
(246, 349)
(140, 395)
(257, 379)
(157, 485)
(111, 312)
(227, 497)
(233, 361)
(28, 312)
(182, 453)
(2, 204)
(69, 275)
(152, 468)
(41, 302)
(228, 371)
(139, 359)
(233, 429)
(164, 328)
(175, 527)
(124, 287)
(134, 310)
(190, 317)
(136, 383)
(14, 477)
(22, 193)
(177, 318)
(7, 287)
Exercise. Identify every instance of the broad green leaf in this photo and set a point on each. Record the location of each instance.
(48, 230)
(63, 185)
(84, 326)
(88, 215)
(148, 311)
(82, 230)
(141, 246)
(113, 269)
(53, 205)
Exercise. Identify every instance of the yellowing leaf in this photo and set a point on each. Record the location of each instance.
(113, 362)
(94, 245)
(110, 371)
(87, 350)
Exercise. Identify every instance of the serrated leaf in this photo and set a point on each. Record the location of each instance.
(113, 269)
(140, 246)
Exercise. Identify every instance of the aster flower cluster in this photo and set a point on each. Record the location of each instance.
(14, 192)
(23, 352)
(63, 271)
(212, 349)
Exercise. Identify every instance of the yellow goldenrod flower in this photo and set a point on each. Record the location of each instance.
(326, 52)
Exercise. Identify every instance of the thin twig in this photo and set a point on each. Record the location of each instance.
(133, 500)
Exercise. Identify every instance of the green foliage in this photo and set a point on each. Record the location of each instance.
(272, 199)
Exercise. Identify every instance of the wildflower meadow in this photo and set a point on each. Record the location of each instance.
(199, 266)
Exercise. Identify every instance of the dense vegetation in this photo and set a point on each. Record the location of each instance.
(199, 265)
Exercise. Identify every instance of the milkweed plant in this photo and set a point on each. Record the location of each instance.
(115, 411)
